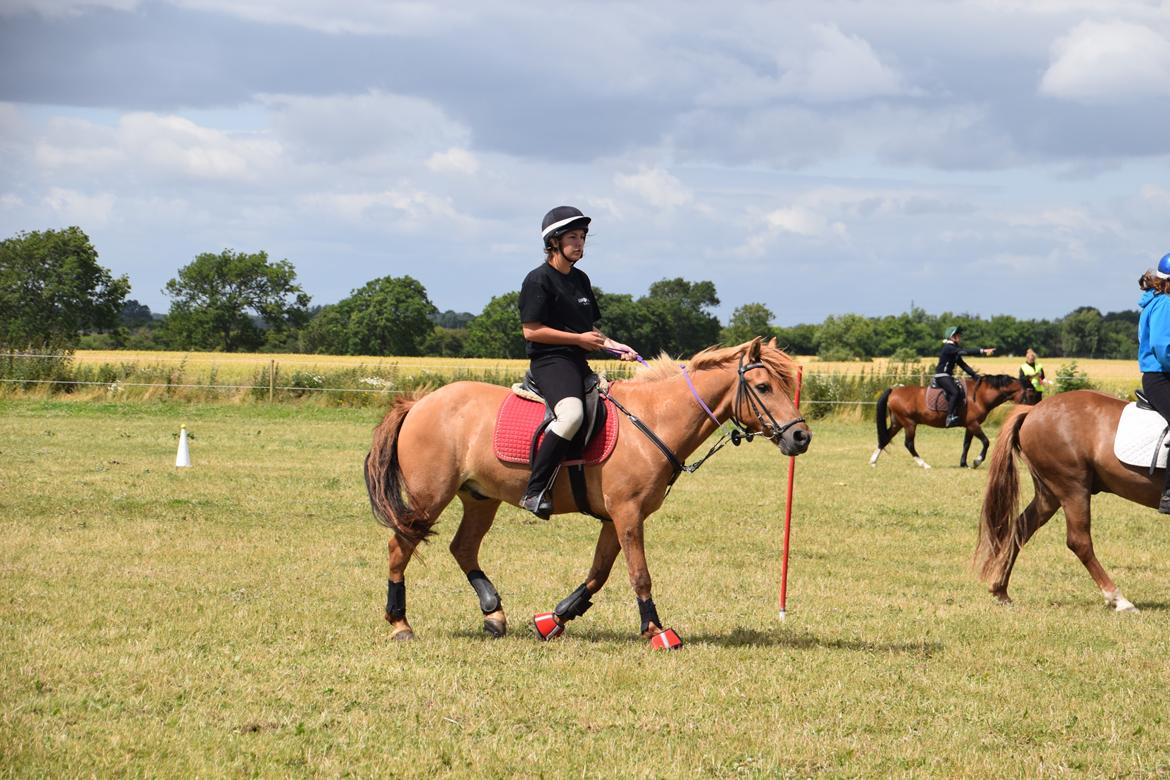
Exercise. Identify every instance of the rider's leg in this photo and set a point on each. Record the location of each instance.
(951, 388)
(1157, 389)
(561, 383)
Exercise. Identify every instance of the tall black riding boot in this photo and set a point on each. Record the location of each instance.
(953, 411)
(538, 497)
(1164, 504)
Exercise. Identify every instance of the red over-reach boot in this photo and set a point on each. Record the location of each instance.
(667, 640)
(546, 626)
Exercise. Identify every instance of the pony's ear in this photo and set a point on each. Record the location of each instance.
(753, 350)
(771, 343)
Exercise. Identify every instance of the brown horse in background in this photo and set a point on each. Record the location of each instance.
(1067, 443)
(906, 405)
(437, 446)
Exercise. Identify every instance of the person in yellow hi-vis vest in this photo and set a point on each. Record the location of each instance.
(1032, 373)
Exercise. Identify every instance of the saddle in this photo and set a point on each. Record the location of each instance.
(936, 397)
(1141, 438)
(524, 415)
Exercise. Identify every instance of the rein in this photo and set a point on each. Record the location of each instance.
(739, 431)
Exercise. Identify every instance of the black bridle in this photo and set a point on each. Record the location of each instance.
(743, 391)
(739, 432)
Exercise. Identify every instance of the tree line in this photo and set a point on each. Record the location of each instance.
(55, 295)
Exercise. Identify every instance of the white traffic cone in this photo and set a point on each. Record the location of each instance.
(183, 458)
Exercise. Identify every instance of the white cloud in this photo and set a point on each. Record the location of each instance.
(840, 67)
(1156, 196)
(157, 144)
(1108, 61)
(656, 186)
(454, 160)
(77, 208)
(383, 17)
(10, 201)
(58, 8)
(408, 208)
(803, 221)
(366, 125)
(173, 143)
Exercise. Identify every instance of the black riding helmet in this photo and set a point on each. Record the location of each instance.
(561, 220)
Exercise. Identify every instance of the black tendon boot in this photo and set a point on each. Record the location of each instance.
(1164, 504)
(538, 496)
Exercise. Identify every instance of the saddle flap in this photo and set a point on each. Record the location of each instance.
(518, 421)
(1138, 433)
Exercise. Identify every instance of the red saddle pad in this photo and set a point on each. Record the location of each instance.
(519, 418)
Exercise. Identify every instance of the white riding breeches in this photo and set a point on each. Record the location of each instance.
(570, 413)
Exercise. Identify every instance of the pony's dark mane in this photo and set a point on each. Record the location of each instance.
(998, 381)
(778, 363)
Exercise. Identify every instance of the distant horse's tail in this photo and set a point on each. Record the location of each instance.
(883, 428)
(999, 527)
(389, 497)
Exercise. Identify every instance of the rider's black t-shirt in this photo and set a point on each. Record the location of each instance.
(561, 301)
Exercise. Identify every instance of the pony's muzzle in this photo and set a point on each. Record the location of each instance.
(795, 441)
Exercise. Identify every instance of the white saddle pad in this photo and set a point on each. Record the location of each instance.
(1137, 435)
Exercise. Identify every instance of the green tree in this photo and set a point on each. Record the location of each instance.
(217, 298)
(1080, 332)
(135, 314)
(847, 337)
(52, 288)
(626, 320)
(496, 331)
(325, 332)
(388, 316)
(445, 342)
(678, 312)
(747, 322)
(798, 339)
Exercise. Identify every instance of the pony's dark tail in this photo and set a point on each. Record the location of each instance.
(389, 497)
(883, 428)
(999, 527)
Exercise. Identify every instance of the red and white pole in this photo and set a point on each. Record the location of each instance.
(788, 508)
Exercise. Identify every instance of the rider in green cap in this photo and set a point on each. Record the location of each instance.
(952, 355)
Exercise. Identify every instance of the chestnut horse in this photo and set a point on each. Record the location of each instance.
(1067, 443)
(433, 447)
(906, 405)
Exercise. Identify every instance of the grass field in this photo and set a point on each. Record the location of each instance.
(226, 620)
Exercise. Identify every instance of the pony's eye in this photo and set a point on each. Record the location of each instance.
(763, 388)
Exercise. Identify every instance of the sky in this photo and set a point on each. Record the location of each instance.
(822, 158)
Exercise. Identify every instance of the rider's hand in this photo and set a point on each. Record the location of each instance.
(591, 341)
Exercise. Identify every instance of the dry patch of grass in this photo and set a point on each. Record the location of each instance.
(226, 619)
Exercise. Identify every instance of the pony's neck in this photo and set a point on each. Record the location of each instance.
(671, 411)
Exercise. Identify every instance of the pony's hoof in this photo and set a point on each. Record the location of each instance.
(666, 640)
(405, 635)
(496, 629)
(546, 626)
(977, 463)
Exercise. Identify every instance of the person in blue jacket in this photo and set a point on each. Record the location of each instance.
(1154, 348)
